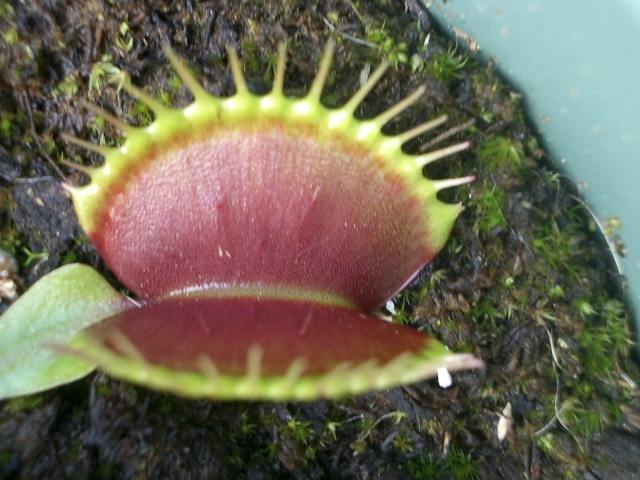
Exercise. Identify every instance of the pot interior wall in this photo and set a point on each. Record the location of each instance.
(574, 63)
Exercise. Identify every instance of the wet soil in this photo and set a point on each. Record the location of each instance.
(524, 283)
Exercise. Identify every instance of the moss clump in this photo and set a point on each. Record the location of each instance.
(455, 465)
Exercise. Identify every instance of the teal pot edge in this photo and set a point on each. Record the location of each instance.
(573, 61)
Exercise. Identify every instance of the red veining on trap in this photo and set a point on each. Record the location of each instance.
(226, 329)
(264, 207)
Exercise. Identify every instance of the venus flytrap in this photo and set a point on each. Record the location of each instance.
(259, 233)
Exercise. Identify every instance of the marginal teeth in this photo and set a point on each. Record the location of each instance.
(449, 133)
(77, 166)
(157, 107)
(199, 93)
(366, 88)
(116, 122)
(254, 367)
(294, 372)
(427, 158)
(422, 128)
(384, 117)
(88, 145)
(71, 189)
(453, 182)
(245, 106)
(318, 83)
(278, 80)
(123, 345)
(236, 71)
(209, 369)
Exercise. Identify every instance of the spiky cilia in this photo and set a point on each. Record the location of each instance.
(259, 233)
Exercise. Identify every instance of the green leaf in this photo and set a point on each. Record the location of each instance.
(52, 311)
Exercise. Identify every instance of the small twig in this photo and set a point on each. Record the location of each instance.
(347, 36)
(421, 11)
(449, 133)
(558, 411)
(48, 178)
(27, 106)
(609, 238)
(553, 348)
(355, 10)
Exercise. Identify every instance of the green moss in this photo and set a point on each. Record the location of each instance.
(300, 431)
(270, 450)
(489, 207)
(11, 36)
(403, 441)
(548, 444)
(6, 127)
(165, 97)
(20, 404)
(125, 40)
(395, 52)
(498, 151)
(103, 387)
(330, 428)
(33, 257)
(486, 311)
(447, 64)
(455, 465)
(6, 10)
(403, 303)
(100, 71)
(559, 247)
(68, 87)
(141, 113)
(246, 427)
(9, 237)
